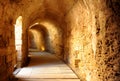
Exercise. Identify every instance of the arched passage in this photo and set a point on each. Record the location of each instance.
(38, 37)
(91, 34)
(18, 40)
(52, 35)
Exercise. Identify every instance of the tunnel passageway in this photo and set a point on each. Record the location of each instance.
(44, 66)
(85, 34)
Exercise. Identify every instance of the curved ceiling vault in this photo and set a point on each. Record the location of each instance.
(46, 9)
(50, 14)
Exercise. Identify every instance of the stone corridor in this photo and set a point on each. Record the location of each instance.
(44, 66)
(84, 34)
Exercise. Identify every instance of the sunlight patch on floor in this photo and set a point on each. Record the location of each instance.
(46, 67)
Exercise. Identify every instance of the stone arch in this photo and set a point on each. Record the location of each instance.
(50, 33)
(40, 34)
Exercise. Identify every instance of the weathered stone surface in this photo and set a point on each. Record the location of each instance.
(93, 31)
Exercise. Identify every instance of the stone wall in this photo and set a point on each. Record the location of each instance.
(7, 40)
(92, 44)
(108, 42)
(31, 41)
(7, 51)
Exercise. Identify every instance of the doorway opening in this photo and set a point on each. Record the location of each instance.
(18, 40)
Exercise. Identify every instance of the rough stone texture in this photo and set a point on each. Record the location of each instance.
(7, 46)
(93, 34)
(85, 32)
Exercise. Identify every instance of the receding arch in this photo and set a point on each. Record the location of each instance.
(52, 36)
(39, 36)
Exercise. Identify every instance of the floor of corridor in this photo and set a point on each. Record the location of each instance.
(46, 67)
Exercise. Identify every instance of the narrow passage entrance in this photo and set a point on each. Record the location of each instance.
(44, 66)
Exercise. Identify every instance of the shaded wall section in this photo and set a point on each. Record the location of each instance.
(7, 40)
(31, 41)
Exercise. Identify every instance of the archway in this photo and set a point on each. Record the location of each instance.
(52, 35)
(37, 38)
(18, 40)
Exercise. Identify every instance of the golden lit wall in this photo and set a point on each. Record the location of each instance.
(92, 44)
